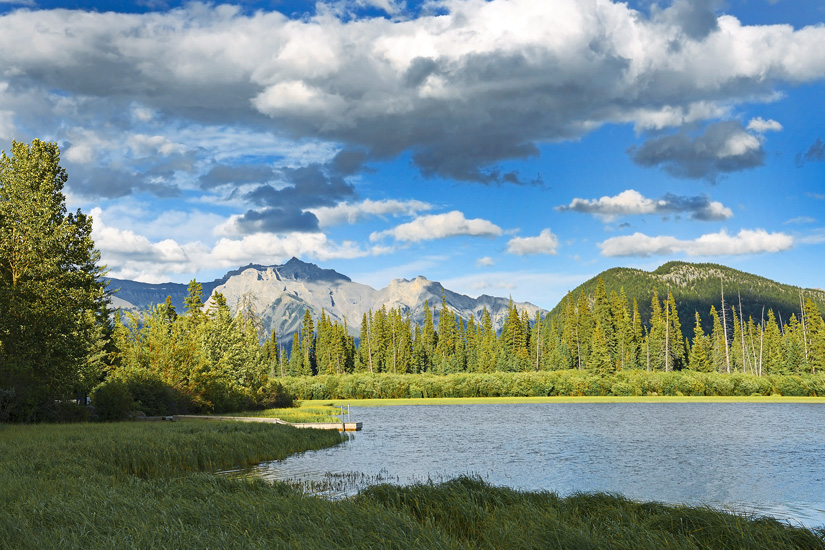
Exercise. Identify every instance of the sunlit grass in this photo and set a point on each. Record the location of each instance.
(307, 412)
(561, 399)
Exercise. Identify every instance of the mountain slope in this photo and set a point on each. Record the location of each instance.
(696, 287)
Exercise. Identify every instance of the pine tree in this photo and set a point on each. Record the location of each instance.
(700, 350)
(51, 292)
(637, 339)
(815, 336)
(570, 334)
(296, 361)
(364, 362)
(676, 340)
(488, 344)
(600, 361)
(583, 331)
(193, 303)
(308, 344)
(429, 339)
(772, 345)
(658, 336)
(794, 351)
(603, 316)
(719, 355)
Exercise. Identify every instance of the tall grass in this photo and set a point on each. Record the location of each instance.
(309, 413)
(149, 485)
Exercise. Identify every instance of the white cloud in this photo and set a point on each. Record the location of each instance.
(761, 125)
(351, 213)
(817, 236)
(800, 220)
(134, 256)
(7, 128)
(553, 70)
(486, 261)
(747, 241)
(542, 288)
(439, 226)
(545, 243)
(631, 202)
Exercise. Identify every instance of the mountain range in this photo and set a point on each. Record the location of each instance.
(282, 293)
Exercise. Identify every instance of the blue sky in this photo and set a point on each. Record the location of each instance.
(500, 147)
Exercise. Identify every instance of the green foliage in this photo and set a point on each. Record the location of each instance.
(213, 362)
(552, 383)
(52, 323)
(112, 400)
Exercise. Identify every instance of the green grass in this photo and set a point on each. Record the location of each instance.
(582, 399)
(152, 485)
(314, 412)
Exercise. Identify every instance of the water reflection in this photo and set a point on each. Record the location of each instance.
(759, 458)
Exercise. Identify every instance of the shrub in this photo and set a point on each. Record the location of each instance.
(275, 396)
(112, 400)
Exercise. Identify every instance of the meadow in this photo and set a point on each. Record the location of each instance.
(158, 485)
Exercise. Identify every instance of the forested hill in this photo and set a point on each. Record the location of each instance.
(697, 287)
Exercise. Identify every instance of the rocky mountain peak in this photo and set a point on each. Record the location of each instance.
(297, 270)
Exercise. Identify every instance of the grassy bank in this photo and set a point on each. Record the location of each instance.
(136, 485)
(555, 399)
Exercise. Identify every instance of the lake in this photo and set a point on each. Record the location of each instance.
(747, 457)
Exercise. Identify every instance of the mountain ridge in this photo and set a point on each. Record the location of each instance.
(697, 286)
(281, 294)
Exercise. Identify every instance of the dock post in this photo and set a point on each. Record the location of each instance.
(343, 424)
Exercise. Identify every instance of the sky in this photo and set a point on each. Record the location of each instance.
(511, 148)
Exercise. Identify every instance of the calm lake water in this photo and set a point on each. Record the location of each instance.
(762, 458)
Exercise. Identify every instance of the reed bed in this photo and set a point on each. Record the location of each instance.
(309, 413)
(152, 485)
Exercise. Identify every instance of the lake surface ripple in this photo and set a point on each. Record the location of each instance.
(761, 458)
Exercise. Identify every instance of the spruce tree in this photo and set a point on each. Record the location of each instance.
(699, 352)
(772, 346)
(193, 303)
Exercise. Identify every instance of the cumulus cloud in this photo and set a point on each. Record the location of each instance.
(761, 125)
(815, 153)
(471, 84)
(696, 18)
(131, 255)
(236, 174)
(631, 202)
(7, 128)
(486, 261)
(285, 204)
(350, 213)
(544, 243)
(439, 226)
(747, 241)
(723, 147)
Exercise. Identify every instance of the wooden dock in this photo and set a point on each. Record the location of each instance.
(347, 426)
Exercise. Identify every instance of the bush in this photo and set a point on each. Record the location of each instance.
(112, 400)
(275, 396)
